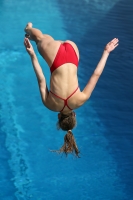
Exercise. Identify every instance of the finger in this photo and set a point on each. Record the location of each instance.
(25, 41)
(28, 49)
(115, 40)
(25, 44)
(28, 43)
(116, 45)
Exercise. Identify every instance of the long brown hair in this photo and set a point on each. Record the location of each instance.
(66, 123)
(69, 145)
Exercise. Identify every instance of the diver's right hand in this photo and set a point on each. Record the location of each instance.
(29, 47)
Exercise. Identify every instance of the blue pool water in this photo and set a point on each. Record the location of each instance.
(104, 134)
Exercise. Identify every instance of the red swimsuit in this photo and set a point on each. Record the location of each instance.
(65, 54)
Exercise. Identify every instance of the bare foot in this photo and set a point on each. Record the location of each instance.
(28, 26)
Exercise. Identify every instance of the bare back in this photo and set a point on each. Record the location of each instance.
(64, 79)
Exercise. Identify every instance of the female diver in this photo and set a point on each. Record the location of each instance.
(64, 96)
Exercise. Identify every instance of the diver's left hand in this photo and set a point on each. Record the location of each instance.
(111, 45)
(29, 47)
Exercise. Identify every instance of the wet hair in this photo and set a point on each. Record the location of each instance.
(69, 145)
(66, 123)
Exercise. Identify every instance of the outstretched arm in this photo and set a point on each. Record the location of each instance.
(99, 69)
(38, 70)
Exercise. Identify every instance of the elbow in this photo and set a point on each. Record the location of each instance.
(85, 97)
(41, 80)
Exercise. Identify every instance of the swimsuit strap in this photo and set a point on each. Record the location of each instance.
(57, 95)
(65, 100)
(72, 93)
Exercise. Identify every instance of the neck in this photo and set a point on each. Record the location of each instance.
(66, 112)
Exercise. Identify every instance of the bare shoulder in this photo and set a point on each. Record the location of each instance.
(79, 98)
